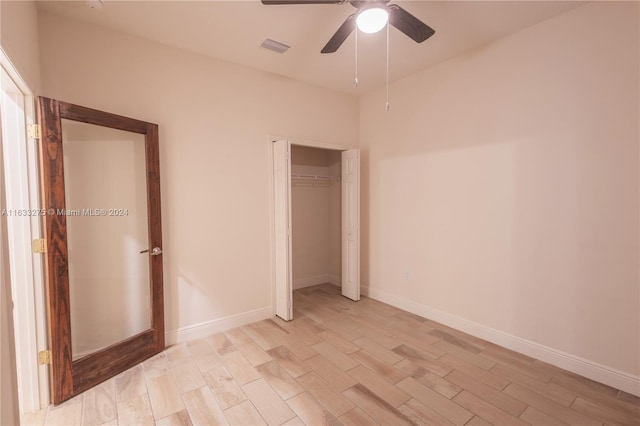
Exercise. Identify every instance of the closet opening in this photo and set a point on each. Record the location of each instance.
(316, 216)
(316, 220)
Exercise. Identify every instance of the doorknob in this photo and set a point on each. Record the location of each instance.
(156, 251)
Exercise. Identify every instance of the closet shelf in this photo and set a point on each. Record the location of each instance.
(314, 180)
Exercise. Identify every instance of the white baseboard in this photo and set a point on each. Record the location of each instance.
(592, 370)
(335, 280)
(207, 328)
(309, 281)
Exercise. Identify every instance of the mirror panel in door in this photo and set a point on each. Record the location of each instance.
(107, 228)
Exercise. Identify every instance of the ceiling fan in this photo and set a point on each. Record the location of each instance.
(397, 16)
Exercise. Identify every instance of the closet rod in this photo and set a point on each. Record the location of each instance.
(314, 177)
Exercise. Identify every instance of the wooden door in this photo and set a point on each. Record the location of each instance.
(351, 224)
(87, 245)
(282, 218)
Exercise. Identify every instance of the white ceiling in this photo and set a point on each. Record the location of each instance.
(233, 31)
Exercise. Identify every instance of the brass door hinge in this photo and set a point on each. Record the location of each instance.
(39, 245)
(33, 131)
(44, 357)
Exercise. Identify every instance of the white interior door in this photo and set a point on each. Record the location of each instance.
(22, 218)
(282, 216)
(351, 224)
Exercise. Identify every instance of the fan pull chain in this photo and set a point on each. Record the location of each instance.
(356, 79)
(387, 104)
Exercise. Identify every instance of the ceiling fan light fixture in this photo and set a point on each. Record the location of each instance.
(372, 19)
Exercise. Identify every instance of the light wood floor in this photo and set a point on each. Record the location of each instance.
(341, 362)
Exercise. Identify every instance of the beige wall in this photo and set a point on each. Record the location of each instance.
(19, 39)
(215, 119)
(505, 182)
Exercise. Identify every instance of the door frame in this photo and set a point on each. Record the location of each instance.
(70, 377)
(27, 278)
(270, 183)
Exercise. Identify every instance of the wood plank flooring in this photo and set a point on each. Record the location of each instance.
(344, 362)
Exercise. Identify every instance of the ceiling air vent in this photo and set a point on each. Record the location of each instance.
(276, 46)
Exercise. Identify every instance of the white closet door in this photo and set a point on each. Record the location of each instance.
(351, 224)
(282, 215)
